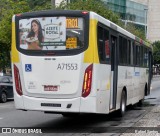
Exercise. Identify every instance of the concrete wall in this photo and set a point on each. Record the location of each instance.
(145, 2)
(57, 2)
(154, 20)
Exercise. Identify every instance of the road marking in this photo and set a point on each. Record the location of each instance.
(6, 106)
(1, 118)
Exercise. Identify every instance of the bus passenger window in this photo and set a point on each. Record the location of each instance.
(145, 57)
(103, 45)
(122, 50)
(100, 44)
(107, 48)
(132, 53)
(141, 56)
(137, 55)
(129, 53)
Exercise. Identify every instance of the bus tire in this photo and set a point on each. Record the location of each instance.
(146, 90)
(123, 104)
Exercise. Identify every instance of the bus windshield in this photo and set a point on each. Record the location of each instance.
(51, 33)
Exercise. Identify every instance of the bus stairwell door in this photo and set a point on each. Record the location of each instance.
(150, 72)
(114, 71)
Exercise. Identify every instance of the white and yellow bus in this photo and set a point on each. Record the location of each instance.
(77, 62)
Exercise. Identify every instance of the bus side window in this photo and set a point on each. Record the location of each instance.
(132, 53)
(129, 53)
(145, 55)
(120, 50)
(103, 45)
(100, 44)
(107, 47)
(141, 56)
(123, 51)
(137, 55)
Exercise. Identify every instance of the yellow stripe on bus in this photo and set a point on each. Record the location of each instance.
(91, 54)
(14, 52)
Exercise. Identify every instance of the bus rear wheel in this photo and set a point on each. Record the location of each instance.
(123, 104)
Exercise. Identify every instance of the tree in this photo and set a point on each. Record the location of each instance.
(100, 8)
(135, 30)
(156, 52)
(33, 4)
(91, 5)
(8, 8)
(4, 56)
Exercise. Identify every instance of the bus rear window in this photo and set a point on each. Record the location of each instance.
(51, 33)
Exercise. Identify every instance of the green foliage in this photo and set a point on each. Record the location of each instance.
(37, 4)
(10, 7)
(8, 10)
(91, 5)
(33, 4)
(4, 56)
(156, 52)
(135, 30)
(100, 8)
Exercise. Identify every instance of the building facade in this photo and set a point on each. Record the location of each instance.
(143, 13)
(152, 13)
(153, 20)
(129, 11)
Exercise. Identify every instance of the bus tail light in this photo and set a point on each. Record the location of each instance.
(17, 81)
(84, 12)
(87, 81)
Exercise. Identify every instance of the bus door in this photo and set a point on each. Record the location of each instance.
(150, 71)
(114, 72)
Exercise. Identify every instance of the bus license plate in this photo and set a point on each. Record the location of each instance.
(51, 87)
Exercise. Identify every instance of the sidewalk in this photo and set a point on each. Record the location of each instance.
(149, 124)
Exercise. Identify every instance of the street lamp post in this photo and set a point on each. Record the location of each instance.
(53, 3)
(146, 22)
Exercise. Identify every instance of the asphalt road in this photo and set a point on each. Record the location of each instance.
(82, 125)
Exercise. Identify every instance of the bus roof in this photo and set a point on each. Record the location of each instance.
(115, 27)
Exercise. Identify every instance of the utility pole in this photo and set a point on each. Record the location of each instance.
(53, 3)
(146, 22)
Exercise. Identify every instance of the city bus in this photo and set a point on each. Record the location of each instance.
(71, 62)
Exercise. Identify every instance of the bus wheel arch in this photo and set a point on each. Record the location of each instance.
(140, 103)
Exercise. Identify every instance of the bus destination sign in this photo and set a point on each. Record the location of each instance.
(72, 23)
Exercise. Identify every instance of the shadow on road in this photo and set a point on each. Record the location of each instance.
(95, 123)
